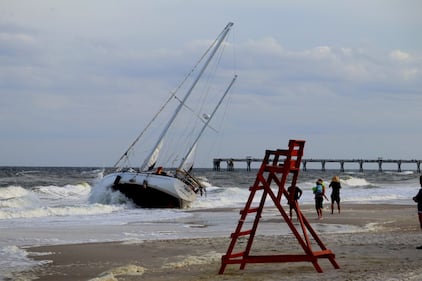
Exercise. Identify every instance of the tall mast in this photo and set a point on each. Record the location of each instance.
(208, 121)
(179, 107)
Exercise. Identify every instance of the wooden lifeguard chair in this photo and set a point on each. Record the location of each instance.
(277, 168)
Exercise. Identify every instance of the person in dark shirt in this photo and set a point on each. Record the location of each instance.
(296, 196)
(335, 193)
(418, 199)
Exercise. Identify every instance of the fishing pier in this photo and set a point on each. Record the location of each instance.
(341, 162)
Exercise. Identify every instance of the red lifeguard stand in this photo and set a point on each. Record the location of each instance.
(278, 167)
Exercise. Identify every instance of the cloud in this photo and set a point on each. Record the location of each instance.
(400, 56)
(73, 77)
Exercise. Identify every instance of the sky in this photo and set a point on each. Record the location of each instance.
(79, 79)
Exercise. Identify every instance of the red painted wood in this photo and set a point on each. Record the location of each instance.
(278, 166)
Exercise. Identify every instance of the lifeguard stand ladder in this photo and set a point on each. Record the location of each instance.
(278, 166)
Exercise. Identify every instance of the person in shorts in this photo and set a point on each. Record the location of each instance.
(335, 193)
(319, 193)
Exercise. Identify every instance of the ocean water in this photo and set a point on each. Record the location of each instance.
(62, 205)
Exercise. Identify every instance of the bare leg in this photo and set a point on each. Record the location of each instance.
(290, 211)
(319, 211)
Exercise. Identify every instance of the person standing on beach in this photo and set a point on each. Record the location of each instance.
(335, 193)
(418, 199)
(319, 192)
(297, 194)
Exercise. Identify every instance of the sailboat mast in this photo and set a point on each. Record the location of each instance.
(179, 107)
(208, 121)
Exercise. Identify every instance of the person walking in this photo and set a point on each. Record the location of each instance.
(297, 194)
(335, 193)
(418, 199)
(319, 192)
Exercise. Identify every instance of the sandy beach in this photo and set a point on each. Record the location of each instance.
(380, 245)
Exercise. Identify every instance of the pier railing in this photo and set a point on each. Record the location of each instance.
(249, 160)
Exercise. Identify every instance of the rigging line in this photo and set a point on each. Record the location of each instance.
(211, 74)
(195, 66)
(194, 113)
(180, 140)
(228, 100)
(125, 155)
(216, 64)
(217, 143)
(233, 37)
(212, 115)
(207, 85)
(215, 67)
(189, 92)
(173, 94)
(126, 163)
(207, 91)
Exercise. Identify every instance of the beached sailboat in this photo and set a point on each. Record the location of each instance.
(149, 185)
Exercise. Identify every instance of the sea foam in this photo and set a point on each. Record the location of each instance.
(12, 192)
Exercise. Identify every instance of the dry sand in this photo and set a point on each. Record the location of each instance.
(381, 248)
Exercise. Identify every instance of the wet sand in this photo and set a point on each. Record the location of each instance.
(381, 245)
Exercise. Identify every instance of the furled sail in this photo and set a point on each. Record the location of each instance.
(188, 162)
(154, 156)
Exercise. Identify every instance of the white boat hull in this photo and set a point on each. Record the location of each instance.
(151, 190)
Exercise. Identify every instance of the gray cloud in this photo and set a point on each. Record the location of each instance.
(77, 83)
